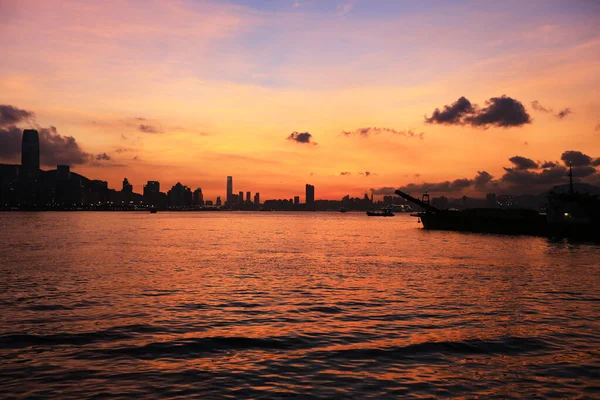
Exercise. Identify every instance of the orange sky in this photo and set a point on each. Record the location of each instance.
(219, 87)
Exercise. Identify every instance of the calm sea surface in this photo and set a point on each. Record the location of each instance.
(270, 305)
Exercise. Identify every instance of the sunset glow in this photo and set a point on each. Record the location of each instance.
(194, 91)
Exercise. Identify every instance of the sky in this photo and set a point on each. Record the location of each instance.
(337, 93)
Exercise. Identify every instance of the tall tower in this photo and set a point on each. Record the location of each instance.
(310, 196)
(229, 200)
(30, 153)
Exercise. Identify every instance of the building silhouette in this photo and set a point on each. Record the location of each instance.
(248, 198)
(151, 188)
(127, 187)
(310, 196)
(30, 154)
(180, 196)
(296, 199)
(241, 198)
(198, 198)
(256, 199)
(218, 203)
(229, 199)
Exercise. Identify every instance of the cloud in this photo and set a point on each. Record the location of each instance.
(366, 132)
(54, 148)
(563, 113)
(301, 137)
(366, 173)
(549, 164)
(57, 149)
(576, 158)
(102, 157)
(383, 190)
(482, 179)
(538, 107)
(10, 115)
(147, 128)
(345, 173)
(500, 111)
(523, 163)
(452, 114)
(560, 115)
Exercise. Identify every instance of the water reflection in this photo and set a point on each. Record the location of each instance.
(268, 304)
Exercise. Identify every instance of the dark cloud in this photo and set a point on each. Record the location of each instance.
(452, 114)
(102, 157)
(54, 147)
(563, 113)
(10, 115)
(482, 179)
(526, 179)
(10, 143)
(576, 158)
(147, 128)
(365, 132)
(527, 176)
(57, 149)
(366, 173)
(500, 111)
(345, 173)
(383, 190)
(549, 164)
(538, 107)
(301, 137)
(523, 163)
(548, 110)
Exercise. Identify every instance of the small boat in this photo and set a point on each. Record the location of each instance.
(343, 210)
(383, 213)
(153, 211)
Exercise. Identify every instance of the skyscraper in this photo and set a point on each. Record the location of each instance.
(127, 187)
(198, 197)
(241, 198)
(256, 199)
(229, 199)
(248, 198)
(310, 196)
(30, 153)
(296, 199)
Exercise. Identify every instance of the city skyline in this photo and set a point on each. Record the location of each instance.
(161, 98)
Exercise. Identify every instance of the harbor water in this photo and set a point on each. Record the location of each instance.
(308, 305)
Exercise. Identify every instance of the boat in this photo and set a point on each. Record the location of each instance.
(153, 211)
(385, 212)
(569, 215)
(343, 210)
(573, 214)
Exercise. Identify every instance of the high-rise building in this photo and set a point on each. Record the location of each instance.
(310, 196)
(218, 204)
(127, 187)
(256, 199)
(234, 199)
(296, 199)
(152, 188)
(248, 198)
(30, 153)
(229, 199)
(241, 198)
(198, 198)
(179, 196)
